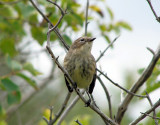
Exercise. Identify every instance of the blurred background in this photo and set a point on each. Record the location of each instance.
(30, 82)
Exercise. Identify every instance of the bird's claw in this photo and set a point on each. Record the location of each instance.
(88, 103)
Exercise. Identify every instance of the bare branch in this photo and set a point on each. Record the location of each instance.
(55, 30)
(44, 118)
(154, 112)
(145, 75)
(61, 109)
(78, 122)
(147, 112)
(86, 18)
(75, 100)
(156, 118)
(107, 95)
(102, 54)
(151, 50)
(62, 15)
(150, 4)
(116, 84)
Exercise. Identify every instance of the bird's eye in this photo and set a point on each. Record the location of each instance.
(82, 39)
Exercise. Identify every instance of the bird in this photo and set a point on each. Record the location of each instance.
(81, 65)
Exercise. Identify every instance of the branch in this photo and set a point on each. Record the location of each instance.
(116, 84)
(47, 20)
(75, 100)
(51, 122)
(150, 4)
(86, 21)
(147, 112)
(78, 122)
(107, 95)
(146, 74)
(62, 15)
(156, 118)
(102, 54)
(149, 49)
(154, 112)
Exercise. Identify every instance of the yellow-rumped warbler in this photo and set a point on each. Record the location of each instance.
(81, 65)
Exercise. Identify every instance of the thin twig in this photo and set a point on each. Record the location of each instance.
(154, 112)
(61, 109)
(145, 75)
(86, 18)
(116, 84)
(107, 95)
(147, 112)
(62, 15)
(75, 100)
(151, 50)
(55, 30)
(156, 118)
(78, 122)
(51, 112)
(150, 4)
(102, 54)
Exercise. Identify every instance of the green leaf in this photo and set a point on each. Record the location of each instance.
(103, 27)
(140, 71)
(7, 46)
(24, 10)
(78, 18)
(29, 67)
(37, 34)
(97, 9)
(14, 97)
(14, 65)
(28, 80)
(110, 13)
(9, 85)
(107, 38)
(124, 25)
(67, 39)
(152, 87)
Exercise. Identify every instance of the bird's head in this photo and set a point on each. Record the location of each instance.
(83, 44)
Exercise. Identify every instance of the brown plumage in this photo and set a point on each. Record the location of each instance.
(80, 64)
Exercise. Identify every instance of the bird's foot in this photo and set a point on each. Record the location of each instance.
(88, 103)
(74, 85)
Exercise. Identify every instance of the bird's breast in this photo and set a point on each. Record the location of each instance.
(83, 72)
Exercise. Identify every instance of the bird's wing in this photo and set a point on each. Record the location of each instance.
(70, 89)
(91, 87)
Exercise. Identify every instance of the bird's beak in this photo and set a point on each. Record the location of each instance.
(92, 39)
